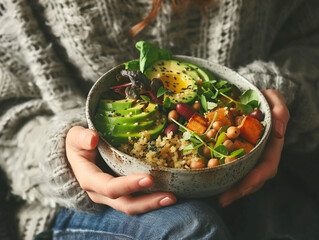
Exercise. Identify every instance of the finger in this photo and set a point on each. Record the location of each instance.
(92, 178)
(89, 176)
(274, 97)
(267, 169)
(136, 205)
(115, 187)
(80, 138)
(280, 112)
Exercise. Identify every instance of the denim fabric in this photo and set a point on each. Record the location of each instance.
(193, 219)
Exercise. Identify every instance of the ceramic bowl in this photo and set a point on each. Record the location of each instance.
(182, 182)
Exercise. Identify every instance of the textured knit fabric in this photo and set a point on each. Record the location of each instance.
(51, 52)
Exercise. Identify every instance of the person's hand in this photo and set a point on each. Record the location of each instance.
(103, 188)
(267, 168)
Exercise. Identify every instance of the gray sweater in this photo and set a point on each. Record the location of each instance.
(51, 52)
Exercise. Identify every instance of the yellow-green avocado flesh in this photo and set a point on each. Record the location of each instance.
(179, 78)
(120, 128)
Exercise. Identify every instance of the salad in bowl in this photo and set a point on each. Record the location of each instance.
(181, 119)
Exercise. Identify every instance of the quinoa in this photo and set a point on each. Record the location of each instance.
(166, 151)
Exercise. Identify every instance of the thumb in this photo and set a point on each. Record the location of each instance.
(80, 138)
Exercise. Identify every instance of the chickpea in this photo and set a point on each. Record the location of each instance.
(212, 163)
(211, 133)
(173, 115)
(197, 106)
(228, 160)
(206, 152)
(238, 120)
(217, 125)
(197, 164)
(229, 145)
(233, 132)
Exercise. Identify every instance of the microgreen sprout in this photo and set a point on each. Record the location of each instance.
(248, 99)
(218, 150)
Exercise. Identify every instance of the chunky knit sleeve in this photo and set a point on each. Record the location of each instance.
(34, 157)
(292, 68)
(294, 73)
(40, 100)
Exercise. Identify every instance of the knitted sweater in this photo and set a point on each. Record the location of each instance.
(51, 52)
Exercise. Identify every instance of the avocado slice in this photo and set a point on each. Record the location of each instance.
(147, 114)
(110, 105)
(204, 74)
(136, 108)
(122, 138)
(113, 129)
(177, 77)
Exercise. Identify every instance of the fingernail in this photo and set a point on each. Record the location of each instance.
(89, 138)
(166, 201)
(92, 140)
(279, 129)
(145, 182)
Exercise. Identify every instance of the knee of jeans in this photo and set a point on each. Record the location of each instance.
(193, 220)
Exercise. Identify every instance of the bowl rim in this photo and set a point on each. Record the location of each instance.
(266, 132)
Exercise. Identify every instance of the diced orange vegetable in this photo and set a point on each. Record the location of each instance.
(223, 114)
(198, 123)
(238, 144)
(250, 129)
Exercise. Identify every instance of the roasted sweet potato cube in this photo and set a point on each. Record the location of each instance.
(250, 129)
(239, 144)
(223, 114)
(198, 123)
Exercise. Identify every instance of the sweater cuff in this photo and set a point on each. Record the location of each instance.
(60, 185)
(303, 127)
(266, 75)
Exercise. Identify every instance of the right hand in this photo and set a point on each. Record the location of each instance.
(103, 188)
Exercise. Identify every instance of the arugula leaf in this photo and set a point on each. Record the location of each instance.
(203, 102)
(161, 91)
(246, 108)
(167, 102)
(132, 65)
(221, 83)
(220, 139)
(149, 53)
(237, 153)
(224, 90)
(220, 151)
(249, 97)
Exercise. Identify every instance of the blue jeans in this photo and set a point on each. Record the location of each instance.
(192, 219)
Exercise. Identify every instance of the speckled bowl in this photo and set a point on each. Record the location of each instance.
(182, 182)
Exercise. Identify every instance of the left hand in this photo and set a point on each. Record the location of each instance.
(268, 166)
